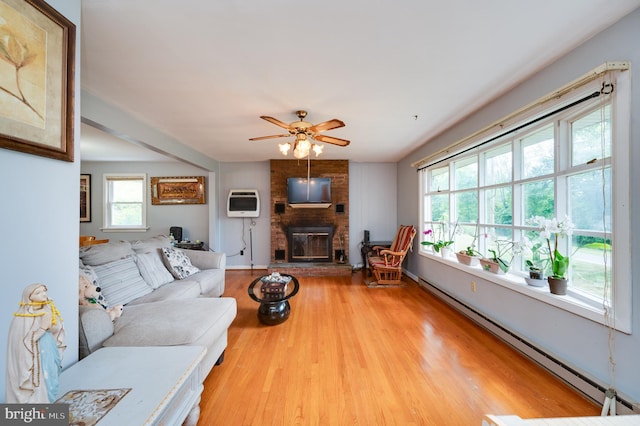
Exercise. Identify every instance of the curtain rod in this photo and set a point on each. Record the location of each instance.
(607, 88)
(580, 81)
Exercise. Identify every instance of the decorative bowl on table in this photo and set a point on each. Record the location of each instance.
(274, 286)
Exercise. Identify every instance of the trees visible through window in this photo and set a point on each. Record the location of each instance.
(559, 167)
(125, 201)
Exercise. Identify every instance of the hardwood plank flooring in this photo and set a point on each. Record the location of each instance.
(353, 355)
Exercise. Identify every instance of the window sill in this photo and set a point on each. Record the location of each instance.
(142, 229)
(516, 283)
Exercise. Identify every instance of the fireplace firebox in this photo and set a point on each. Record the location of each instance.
(310, 243)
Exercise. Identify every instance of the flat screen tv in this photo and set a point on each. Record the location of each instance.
(312, 191)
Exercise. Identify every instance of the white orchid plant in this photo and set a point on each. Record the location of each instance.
(551, 229)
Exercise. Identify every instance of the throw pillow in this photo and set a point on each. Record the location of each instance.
(178, 263)
(121, 282)
(101, 254)
(153, 270)
(151, 244)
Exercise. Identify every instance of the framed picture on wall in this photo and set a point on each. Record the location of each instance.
(85, 198)
(177, 190)
(37, 55)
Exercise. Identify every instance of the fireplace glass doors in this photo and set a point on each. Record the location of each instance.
(310, 244)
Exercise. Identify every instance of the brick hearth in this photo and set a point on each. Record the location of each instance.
(311, 269)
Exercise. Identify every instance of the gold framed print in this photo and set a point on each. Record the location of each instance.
(178, 190)
(37, 68)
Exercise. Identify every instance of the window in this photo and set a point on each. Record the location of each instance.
(559, 165)
(125, 202)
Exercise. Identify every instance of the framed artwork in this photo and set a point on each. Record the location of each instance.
(177, 190)
(85, 198)
(37, 67)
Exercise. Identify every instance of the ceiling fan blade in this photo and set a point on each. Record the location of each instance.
(276, 122)
(331, 139)
(327, 125)
(269, 137)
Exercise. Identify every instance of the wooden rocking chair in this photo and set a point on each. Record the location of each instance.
(386, 263)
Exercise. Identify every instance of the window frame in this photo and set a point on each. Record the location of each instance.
(615, 312)
(107, 226)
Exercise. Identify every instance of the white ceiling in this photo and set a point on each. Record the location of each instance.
(397, 73)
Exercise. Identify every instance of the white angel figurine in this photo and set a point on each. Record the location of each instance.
(34, 349)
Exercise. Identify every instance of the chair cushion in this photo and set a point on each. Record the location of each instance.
(403, 238)
(167, 323)
(378, 262)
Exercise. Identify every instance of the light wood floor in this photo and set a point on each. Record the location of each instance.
(353, 355)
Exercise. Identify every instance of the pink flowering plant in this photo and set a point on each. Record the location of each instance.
(550, 230)
(440, 243)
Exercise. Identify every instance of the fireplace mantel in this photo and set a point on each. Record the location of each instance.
(310, 206)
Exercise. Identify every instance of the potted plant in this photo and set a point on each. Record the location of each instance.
(440, 245)
(536, 276)
(497, 263)
(469, 256)
(535, 265)
(551, 229)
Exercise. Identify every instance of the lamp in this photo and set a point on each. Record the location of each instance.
(284, 148)
(301, 147)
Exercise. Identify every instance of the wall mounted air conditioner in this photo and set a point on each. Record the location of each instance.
(243, 203)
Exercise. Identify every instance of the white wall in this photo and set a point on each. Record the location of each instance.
(250, 235)
(39, 213)
(370, 207)
(193, 218)
(578, 342)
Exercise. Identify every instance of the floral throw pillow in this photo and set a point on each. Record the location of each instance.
(178, 263)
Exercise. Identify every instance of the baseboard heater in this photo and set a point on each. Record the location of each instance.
(587, 386)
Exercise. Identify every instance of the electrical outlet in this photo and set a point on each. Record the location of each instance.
(473, 286)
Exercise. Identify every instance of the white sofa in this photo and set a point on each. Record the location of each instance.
(162, 306)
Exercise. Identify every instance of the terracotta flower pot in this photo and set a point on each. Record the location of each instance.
(557, 285)
(465, 259)
(491, 266)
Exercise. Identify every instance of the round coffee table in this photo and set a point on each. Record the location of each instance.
(275, 309)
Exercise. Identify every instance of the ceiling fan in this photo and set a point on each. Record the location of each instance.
(303, 130)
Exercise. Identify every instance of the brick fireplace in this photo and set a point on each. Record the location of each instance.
(308, 223)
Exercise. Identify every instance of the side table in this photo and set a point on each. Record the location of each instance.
(274, 310)
(164, 383)
(367, 247)
(192, 246)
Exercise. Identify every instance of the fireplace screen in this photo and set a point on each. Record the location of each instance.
(310, 245)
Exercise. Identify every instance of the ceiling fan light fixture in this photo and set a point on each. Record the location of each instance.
(284, 148)
(300, 153)
(304, 145)
(303, 132)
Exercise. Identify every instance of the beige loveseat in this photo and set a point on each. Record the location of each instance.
(165, 303)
